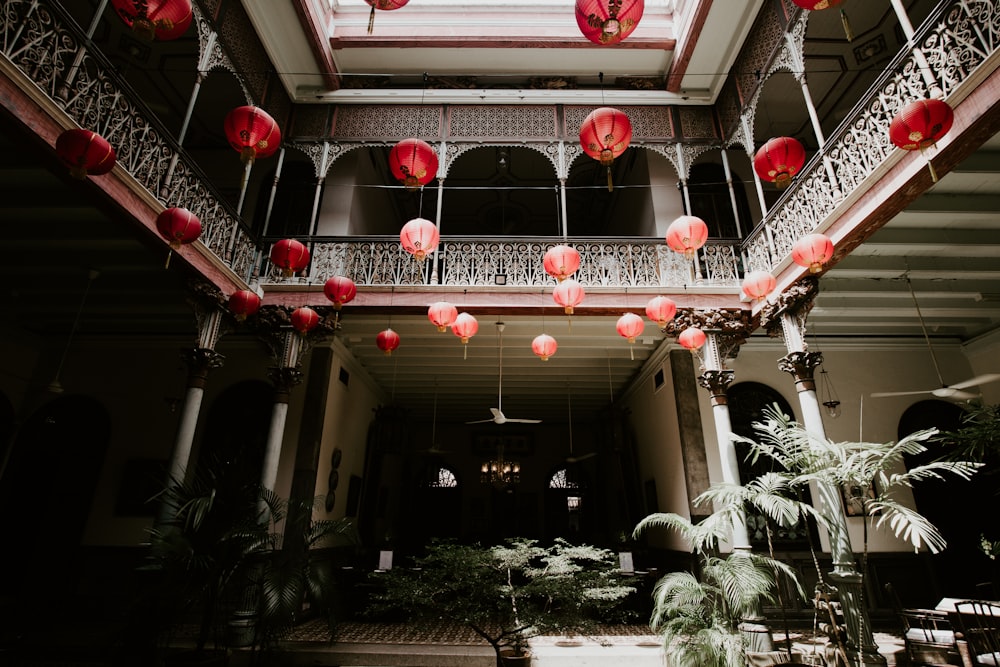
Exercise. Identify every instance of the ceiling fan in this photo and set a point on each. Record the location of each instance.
(583, 457)
(498, 416)
(949, 391)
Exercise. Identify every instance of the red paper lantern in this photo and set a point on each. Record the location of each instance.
(290, 256)
(413, 162)
(568, 294)
(686, 234)
(544, 346)
(692, 338)
(155, 19)
(465, 327)
(244, 303)
(604, 135)
(629, 326)
(419, 237)
(561, 262)
(252, 133)
(812, 251)
(661, 310)
(340, 290)
(816, 5)
(779, 160)
(304, 319)
(85, 152)
(442, 314)
(387, 5)
(920, 124)
(387, 341)
(758, 284)
(178, 226)
(608, 21)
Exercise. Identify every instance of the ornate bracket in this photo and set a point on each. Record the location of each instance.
(802, 365)
(797, 301)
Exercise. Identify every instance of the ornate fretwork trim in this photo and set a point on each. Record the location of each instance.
(797, 300)
(725, 322)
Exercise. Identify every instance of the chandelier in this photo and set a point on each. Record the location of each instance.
(500, 472)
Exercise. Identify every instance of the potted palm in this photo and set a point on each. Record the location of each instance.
(506, 594)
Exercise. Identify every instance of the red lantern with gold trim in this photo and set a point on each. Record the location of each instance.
(608, 21)
(413, 162)
(387, 341)
(604, 135)
(758, 284)
(340, 290)
(442, 315)
(920, 124)
(419, 237)
(85, 152)
(812, 251)
(544, 346)
(779, 160)
(386, 5)
(561, 262)
(244, 303)
(155, 19)
(178, 226)
(687, 234)
(304, 319)
(290, 256)
(692, 338)
(661, 310)
(252, 133)
(568, 294)
(465, 327)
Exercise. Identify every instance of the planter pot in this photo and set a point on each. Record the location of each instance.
(241, 629)
(508, 658)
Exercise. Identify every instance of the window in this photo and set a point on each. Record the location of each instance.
(560, 480)
(445, 479)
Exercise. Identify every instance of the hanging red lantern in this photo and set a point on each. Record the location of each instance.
(387, 5)
(340, 290)
(155, 19)
(561, 262)
(544, 346)
(387, 341)
(290, 256)
(244, 303)
(304, 319)
(85, 152)
(413, 162)
(692, 338)
(920, 124)
(758, 284)
(442, 314)
(779, 160)
(812, 251)
(608, 21)
(568, 294)
(419, 237)
(661, 310)
(465, 327)
(686, 234)
(252, 133)
(178, 226)
(604, 135)
(629, 326)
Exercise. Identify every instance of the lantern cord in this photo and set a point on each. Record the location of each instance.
(923, 328)
(55, 386)
(569, 411)
(611, 388)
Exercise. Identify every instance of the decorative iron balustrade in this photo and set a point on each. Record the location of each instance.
(491, 262)
(52, 51)
(953, 43)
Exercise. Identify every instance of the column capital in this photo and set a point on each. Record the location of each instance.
(717, 382)
(200, 360)
(797, 301)
(284, 378)
(801, 365)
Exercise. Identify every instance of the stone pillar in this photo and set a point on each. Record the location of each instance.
(284, 377)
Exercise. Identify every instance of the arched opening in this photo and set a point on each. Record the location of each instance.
(567, 505)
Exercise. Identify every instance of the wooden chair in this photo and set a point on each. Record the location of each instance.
(977, 623)
(928, 635)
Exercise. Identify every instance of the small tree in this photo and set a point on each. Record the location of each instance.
(507, 593)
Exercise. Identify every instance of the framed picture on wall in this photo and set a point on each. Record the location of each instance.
(855, 499)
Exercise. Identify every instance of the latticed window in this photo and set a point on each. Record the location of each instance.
(560, 480)
(445, 479)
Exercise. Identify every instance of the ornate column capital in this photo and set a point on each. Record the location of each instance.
(797, 301)
(200, 360)
(717, 382)
(801, 365)
(284, 378)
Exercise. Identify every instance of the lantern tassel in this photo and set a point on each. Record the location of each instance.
(166, 264)
(465, 352)
(631, 352)
(371, 20)
(611, 187)
(930, 166)
(847, 26)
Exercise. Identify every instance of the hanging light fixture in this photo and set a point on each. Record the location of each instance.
(691, 338)
(544, 346)
(919, 125)
(442, 315)
(85, 152)
(568, 294)
(758, 284)
(812, 251)
(385, 5)
(340, 290)
(290, 256)
(561, 262)
(661, 310)
(687, 234)
(387, 340)
(832, 402)
(419, 237)
(499, 471)
(155, 19)
(413, 162)
(178, 226)
(608, 21)
(779, 160)
(304, 319)
(243, 303)
(604, 135)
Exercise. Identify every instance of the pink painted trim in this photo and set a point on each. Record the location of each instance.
(311, 26)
